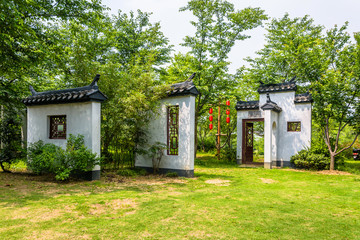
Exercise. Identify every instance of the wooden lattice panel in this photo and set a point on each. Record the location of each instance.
(249, 135)
(58, 127)
(173, 130)
(294, 126)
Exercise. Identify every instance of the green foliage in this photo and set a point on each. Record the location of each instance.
(25, 39)
(44, 158)
(137, 40)
(229, 153)
(49, 158)
(308, 160)
(10, 138)
(313, 160)
(128, 51)
(291, 49)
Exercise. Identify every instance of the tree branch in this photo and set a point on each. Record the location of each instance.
(348, 146)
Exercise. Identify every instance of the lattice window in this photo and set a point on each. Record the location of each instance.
(249, 135)
(173, 130)
(294, 126)
(58, 127)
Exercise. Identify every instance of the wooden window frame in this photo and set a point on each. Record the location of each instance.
(54, 134)
(172, 130)
(289, 129)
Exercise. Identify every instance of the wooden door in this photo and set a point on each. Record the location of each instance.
(249, 142)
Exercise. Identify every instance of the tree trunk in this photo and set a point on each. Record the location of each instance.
(2, 167)
(332, 161)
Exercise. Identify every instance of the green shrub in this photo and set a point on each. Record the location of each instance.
(308, 160)
(42, 157)
(229, 154)
(49, 158)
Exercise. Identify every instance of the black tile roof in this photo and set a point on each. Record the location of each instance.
(277, 87)
(250, 105)
(270, 105)
(81, 94)
(183, 88)
(303, 98)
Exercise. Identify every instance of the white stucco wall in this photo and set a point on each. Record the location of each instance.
(287, 143)
(158, 133)
(81, 118)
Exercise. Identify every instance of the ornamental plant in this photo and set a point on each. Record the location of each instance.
(49, 158)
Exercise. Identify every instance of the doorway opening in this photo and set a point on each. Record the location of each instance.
(253, 141)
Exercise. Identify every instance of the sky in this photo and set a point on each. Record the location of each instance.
(176, 25)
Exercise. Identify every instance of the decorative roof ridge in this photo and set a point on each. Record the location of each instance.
(93, 85)
(270, 105)
(80, 94)
(303, 98)
(278, 87)
(247, 105)
(183, 88)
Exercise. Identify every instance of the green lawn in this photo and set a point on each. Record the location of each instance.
(223, 201)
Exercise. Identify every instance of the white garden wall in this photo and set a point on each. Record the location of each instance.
(183, 163)
(81, 118)
(279, 144)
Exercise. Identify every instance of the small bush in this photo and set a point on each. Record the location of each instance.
(308, 160)
(49, 158)
(229, 154)
(42, 157)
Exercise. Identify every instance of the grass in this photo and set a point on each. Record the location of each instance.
(223, 201)
(351, 167)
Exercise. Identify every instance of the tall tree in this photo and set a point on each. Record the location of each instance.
(291, 49)
(217, 27)
(24, 37)
(336, 93)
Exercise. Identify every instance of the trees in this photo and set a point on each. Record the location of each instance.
(24, 38)
(218, 27)
(131, 73)
(336, 93)
(10, 138)
(25, 43)
(327, 64)
(59, 44)
(291, 49)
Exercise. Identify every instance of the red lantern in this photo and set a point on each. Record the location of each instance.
(227, 120)
(227, 111)
(211, 118)
(228, 102)
(211, 111)
(210, 126)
